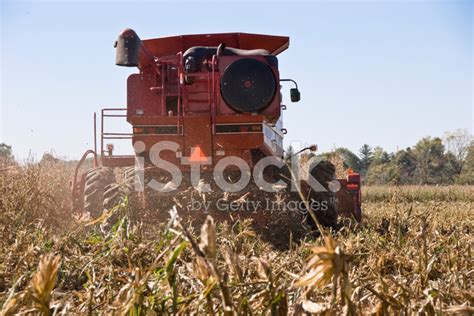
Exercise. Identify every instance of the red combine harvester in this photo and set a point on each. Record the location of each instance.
(197, 101)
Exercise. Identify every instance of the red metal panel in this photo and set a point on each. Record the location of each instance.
(239, 118)
(140, 97)
(155, 120)
(197, 132)
(151, 140)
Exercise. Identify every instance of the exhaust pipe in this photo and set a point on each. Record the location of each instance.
(128, 47)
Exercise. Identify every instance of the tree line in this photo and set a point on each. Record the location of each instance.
(433, 160)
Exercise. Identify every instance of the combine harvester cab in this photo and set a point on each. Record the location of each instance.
(211, 96)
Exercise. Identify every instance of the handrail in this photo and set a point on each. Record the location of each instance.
(107, 135)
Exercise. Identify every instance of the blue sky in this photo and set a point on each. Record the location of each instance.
(382, 73)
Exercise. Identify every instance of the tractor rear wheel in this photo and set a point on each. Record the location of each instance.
(129, 179)
(94, 188)
(114, 193)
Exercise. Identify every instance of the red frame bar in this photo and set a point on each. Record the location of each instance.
(105, 135)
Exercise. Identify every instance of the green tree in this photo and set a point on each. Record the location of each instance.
(350, 159)
(467, 172)
(5, 151)
(457, 143)
(49, 157)
(382, 170)
(289, 152)
(450, 170)
(406, 163)
(383, 173)
(429, 153)
(381, 156)
(366, 158)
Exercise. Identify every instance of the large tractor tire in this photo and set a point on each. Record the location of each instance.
(114, 193)
(325, 173)
(129, 179)
(96, 181)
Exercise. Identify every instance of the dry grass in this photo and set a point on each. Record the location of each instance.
(413, 253)
(418, 193)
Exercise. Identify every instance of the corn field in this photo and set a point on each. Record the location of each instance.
(412, 254)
